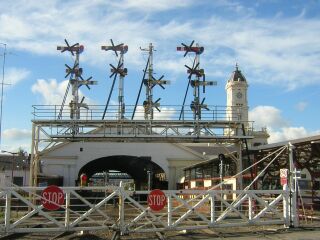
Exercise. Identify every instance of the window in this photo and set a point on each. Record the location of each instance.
(207, 172)
(193, 173)
(199, 183)
(199, 173)
(18, 181)
(305, 184)
(187, 175)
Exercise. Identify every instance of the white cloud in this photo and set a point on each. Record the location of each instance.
(15, 75)
(16, 134)
(14, 138)
(52, 92)
(301, 106)
(278, 127)
(267, 116)
(153, 6)
(288, 133)
(165, 114)
(272, 51)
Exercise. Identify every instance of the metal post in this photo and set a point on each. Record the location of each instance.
(121, 90)
(12, 166)
(169, 202)
(2, 83)
(293, 191)
(221, 157)
(67, 216)
(7, 213)
(36, 158)
(121, 209)
(240, 166)
(286, 207)
(31, 166)
(149, 180)
(212, 209)
(250, 208)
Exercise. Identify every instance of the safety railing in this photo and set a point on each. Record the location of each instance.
(168, 112)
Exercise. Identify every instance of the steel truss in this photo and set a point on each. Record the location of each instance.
(51, 128)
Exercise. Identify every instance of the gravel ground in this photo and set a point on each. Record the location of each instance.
(311, 232)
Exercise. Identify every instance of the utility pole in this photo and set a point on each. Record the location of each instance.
(2, 84)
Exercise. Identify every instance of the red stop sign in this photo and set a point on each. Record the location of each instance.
(157, 200)
(52, 198)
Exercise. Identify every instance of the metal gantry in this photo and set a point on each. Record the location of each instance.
(150, 82)
(75, 81)
(57, 124)
(196, 79)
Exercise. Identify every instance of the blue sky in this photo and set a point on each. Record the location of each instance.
(275, 43)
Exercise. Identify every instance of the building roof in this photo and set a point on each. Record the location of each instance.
(311, 139)
(237, 76)
(10, 162)
(211, 150)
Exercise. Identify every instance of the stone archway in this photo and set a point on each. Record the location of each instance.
(136, 167)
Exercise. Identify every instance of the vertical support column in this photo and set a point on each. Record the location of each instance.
(36, 157)
(172, 178)
(33, 160)
(293, 190)
(121, 107)
(121, 209)
(250, 207)
(212, 209)
(7, 213)
(32, 156)
(240, 165)
(67, 215)
(286, 207)
(150, 81)
(169, 202)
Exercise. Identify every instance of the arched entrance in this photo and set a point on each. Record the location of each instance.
(141, 169)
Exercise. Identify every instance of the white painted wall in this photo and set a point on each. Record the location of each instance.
(6, 180)
(67, 160)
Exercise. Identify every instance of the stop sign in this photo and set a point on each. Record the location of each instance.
(157, 200)
(52, 198)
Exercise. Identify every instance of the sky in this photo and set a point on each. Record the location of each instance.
(275, 43)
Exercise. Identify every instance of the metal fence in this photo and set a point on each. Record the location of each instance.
(116, 209)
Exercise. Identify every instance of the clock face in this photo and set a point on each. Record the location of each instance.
(239, 95)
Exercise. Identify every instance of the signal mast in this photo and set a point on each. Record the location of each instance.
(122, 49)
(150, 82)
(196, 74)
(75, 81)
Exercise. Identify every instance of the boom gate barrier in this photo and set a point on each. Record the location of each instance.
(115, 209)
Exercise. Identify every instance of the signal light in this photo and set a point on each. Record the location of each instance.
(83, 180)
(221, 157)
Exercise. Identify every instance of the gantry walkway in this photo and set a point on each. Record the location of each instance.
(217, 124)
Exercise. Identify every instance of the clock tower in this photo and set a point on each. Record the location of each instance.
(237, 98)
